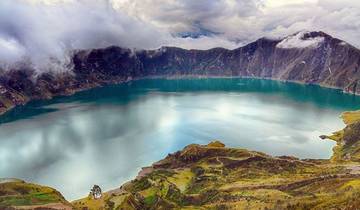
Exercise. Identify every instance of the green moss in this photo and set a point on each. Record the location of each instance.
(150, 200)
(32, 199)
(139, 185)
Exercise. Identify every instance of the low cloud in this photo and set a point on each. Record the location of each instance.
(45, 32)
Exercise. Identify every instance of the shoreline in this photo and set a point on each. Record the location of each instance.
(173, 77)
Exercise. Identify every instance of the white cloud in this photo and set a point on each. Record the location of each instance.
(45, 31)
(281, 3)
(48, 32)
(299, 41)
(204, 43)
(248, 20)
(11, 51)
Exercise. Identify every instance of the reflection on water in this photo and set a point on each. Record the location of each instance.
(105, 135)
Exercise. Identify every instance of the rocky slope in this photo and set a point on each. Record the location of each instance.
(307, 57)
(215, 177)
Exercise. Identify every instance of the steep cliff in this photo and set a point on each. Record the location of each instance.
(309, 57)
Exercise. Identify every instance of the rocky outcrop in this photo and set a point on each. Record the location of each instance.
(307, 57)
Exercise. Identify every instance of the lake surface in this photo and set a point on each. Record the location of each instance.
(105, 135)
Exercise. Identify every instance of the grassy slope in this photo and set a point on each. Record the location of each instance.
(26, 195)
(215, 177)
(348, 139)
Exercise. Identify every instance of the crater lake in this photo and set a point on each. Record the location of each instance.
(105, 135)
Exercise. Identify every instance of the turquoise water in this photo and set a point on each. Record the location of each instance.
(105, 135)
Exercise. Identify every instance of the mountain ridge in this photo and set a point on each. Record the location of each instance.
(305, 57)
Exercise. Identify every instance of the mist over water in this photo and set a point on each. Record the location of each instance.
(105, 135)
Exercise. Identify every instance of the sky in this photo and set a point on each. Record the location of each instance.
(45, 32)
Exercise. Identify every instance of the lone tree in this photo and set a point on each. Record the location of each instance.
(95, 192)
